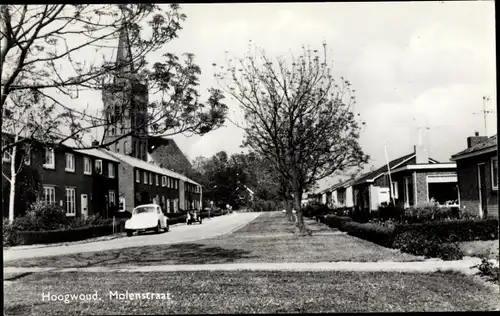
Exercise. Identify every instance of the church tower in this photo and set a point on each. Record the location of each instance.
(125, 105)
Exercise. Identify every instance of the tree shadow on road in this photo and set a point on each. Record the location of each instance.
(187, 253)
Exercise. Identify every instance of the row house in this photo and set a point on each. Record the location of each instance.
(477, 168)
(408, 181)
(142, 182)
(83, 182)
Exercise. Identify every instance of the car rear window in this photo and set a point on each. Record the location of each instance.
(145, 209)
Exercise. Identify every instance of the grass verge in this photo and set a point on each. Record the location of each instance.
(249, 292)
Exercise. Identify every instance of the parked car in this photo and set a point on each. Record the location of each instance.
(193, 217)
(146, 217)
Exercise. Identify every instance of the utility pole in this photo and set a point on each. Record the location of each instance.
(391, 190)
(485, 112)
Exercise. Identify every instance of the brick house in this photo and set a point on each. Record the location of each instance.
(416, 179)
(142, 182)
(166, 153)
(84, 182)
(477, 168)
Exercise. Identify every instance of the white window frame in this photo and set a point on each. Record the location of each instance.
(145, 177)
(71, 202)
(164, 181)
(493, 186)
(137, 176)
(98, 162)
(70, 162)
(52, 194)
(87, 166)
(111, 170)
(157, 180)
(395, 189)
(150, 178)
(51, 165)
(112, 194)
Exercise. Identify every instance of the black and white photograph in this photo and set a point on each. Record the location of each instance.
(249, 158)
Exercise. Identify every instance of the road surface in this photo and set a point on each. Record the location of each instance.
(178, 234)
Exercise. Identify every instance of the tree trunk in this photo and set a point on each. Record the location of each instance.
(288, 208)
(12, 193)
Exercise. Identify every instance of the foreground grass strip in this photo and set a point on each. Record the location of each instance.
(248, 292)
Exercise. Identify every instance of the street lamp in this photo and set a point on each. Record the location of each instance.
(213, 198)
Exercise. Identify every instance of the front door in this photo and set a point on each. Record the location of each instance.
(483, 202)
(85, 206)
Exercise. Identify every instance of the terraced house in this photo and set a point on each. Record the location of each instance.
(477, 168)
(414, 179)
(83, 182)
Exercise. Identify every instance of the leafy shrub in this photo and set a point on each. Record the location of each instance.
(64, 235)
(316, 210)
(335, 221)
(42, 217)
(389, 212)
(420, 244)
(259, 205)
(360, 215)
(10, 236)
(376, 233)
(488, 269)
(456, 230)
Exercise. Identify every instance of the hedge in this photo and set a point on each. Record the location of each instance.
(381, 235)
(335, 221)
(66, 235)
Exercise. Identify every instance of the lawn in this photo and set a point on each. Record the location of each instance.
(249, 292)
(274, 244)
(479, 248)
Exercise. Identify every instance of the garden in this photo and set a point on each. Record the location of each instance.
(428, 230)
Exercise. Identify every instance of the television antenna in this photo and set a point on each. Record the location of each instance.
(485, 112)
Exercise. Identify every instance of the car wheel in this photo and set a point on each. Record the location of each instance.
(130, 232)
(167, 228)
(200, 221)
(157, 228)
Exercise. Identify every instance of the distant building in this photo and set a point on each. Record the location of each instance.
(477, 168)
(416, 179)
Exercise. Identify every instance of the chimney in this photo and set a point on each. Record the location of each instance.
(95, 143)
(421, 154)
(476, 139)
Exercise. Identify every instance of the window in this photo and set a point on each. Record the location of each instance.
(137, 176)
(87, 165)
(163, 181)
(111, 170)
(395, 189)
(49, 195)
(494, 173)
(157, 180)
(27, 156)
(176, 184)
(98, 166)
(117, 147)
(70, 202)
(145, 177)
(112, 198)
(49, 161)
(126, 149)
(70, 162)
(151, 178)
(168, 182)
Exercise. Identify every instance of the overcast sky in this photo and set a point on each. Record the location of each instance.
(410, 63)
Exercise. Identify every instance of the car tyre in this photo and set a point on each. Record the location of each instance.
(157, 228)
(167, 228)
(130, 232)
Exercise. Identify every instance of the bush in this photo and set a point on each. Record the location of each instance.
(456, 230)
(335, 221)
(64, 235)
(488, 270)
(316, 210)
(10, 236)
(420, 244)
(376, 233)
(259, 205)
(42, 217)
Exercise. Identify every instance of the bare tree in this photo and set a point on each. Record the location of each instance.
(56, 52)
(297, 115)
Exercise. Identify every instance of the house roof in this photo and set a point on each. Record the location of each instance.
(150, 167)
(96, 153)
(479, 148)
(369, 176)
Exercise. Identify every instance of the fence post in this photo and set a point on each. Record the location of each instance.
(114, 225)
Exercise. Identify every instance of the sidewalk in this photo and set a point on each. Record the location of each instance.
(432, 265)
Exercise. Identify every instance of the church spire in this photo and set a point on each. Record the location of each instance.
(124, 53)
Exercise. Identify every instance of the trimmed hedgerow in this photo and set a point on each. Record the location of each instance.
(335, 221)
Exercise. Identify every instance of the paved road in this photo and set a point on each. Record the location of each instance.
(180, 233)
